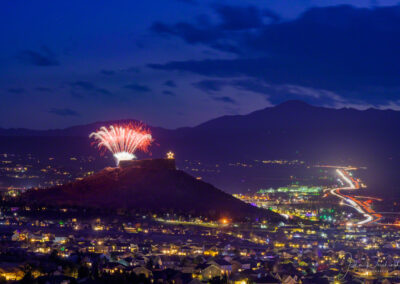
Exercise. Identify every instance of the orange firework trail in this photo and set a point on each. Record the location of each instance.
(123, 140)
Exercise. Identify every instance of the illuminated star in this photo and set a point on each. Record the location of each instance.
(170, 155)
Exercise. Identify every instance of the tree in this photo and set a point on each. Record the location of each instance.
(83, 271)
(150, 264)
(54, 256)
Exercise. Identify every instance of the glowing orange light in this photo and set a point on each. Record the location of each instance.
(224, 221)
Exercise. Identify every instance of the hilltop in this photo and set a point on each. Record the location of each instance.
(148, 190)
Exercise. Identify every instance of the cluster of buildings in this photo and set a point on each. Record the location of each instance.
(318, 243)
(305, 202)
(172, 249)
(23, 171)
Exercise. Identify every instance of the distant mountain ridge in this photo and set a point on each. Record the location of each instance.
(78, 130)
(288, 107)
(291, 130)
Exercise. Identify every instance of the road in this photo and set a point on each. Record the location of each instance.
(362, 207)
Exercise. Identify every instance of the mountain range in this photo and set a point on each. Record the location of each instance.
(290, 130)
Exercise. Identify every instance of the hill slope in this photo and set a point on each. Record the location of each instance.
(151, 191)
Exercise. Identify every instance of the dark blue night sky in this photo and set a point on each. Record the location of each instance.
(177, 63)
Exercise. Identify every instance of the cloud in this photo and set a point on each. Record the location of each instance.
(209, 85)
(107, 72)
(63, 112)
(225, 99)
(103, 91)
(190, 33)
(16, 90)
(256, 86)
(85, 85)
(223, 68)
(170, 83)
(242, 18)
(43, 89)
(137, 88)
(81, 88)
(234, 22)
(274, 93)
(132, 70)
(168, 93)
(340, 49)
(45, 57)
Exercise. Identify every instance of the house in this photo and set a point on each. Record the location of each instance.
(268, 279)
(289, 280)
(210, 272)
(168, 261)
(142, 270)
(195, 281)
(240, 264)
(223, 264)
(238, 279)
(113, 267)
(11, 271)
(171, 276)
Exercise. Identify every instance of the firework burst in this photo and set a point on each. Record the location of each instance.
(123, 140)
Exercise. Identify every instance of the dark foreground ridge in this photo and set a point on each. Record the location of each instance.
(149, 190)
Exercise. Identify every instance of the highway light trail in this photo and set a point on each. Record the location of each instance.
(361, 207)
